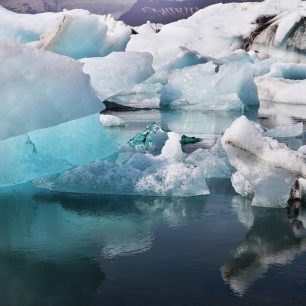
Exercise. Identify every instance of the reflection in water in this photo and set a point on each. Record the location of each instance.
(51, 244)
(272, 239)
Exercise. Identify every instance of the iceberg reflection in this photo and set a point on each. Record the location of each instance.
(274, 237)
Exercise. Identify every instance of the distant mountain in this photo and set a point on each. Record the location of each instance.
(166, 11)
(114, 7)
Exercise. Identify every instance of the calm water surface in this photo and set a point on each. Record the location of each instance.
(78, 250)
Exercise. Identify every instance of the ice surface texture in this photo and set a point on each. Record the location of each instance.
(41, 89)
(53, 150)
(270, 168)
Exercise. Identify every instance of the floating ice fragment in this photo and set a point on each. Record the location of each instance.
(111, 121)
(271, 168)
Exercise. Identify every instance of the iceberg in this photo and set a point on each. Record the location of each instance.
(54, 150)
(117, 72)
(285, 83)
(270, 168)
(41, 89)
(212, 86)
(143, 174)
(85, 35)
(217, 30)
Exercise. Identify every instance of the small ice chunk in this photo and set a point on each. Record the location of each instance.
(270, 167)
(286, 131)
(111, 121)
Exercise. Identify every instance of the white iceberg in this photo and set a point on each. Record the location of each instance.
(217, 30)
(40, 89)
(54, 150)
(222, 86)
(164, 175)
(117, 72)
(271, 168)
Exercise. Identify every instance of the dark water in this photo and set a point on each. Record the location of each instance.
(81, 250)
(78, 250)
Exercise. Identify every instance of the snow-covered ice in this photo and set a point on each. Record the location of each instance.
(41, 89)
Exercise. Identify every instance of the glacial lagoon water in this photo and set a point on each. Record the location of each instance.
(80, 250)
